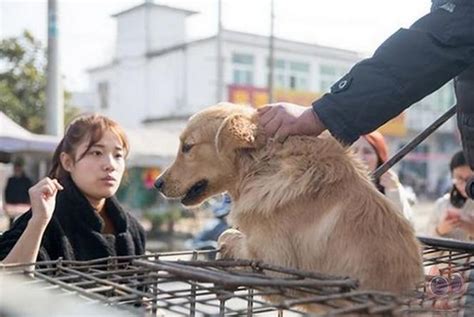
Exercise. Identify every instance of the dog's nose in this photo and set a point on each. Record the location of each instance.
(160, 184)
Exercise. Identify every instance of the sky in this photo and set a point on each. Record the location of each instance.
(87, 30)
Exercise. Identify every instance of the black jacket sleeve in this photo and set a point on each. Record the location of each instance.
(408, 66)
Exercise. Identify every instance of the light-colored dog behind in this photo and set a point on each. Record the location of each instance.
(307, 203)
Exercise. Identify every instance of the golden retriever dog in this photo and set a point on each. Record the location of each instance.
(307, 203)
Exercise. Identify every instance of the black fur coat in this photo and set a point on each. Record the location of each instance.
(74, 232)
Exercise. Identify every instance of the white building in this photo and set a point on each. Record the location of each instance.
(158, 77)
(156, 73)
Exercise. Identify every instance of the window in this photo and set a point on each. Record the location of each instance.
(299, 67)
(328, 75)
(103, 92)
(327, 70)
(445, 97)
(440, 100)
(291, 75)
(242, 65)
(292, 82)
(244, 59)
(242, 77)
(280, 80)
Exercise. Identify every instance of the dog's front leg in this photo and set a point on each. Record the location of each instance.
(232, 244)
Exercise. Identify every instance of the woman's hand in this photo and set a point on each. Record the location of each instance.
(449, 222)
(43, 202)
(389, 180)
(466, 223)
(43, 199)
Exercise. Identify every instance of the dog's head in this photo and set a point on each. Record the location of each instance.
(206, 163)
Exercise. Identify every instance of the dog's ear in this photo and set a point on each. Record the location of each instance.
(236, 132)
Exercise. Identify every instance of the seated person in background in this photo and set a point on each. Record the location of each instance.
(373, 151)
(454, 213)
(17, 200)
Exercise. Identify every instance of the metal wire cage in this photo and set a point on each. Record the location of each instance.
(448, 268)
(185, 284)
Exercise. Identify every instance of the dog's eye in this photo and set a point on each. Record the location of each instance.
(186, 147)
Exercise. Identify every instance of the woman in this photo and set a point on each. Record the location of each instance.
(373, 151)
(74, 214)
(454, 213)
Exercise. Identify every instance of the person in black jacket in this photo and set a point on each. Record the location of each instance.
(17, 200)
(408, 66)
(74, 214)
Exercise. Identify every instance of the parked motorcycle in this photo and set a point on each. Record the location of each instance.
(206, 239)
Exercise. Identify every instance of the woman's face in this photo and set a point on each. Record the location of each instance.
(99, 172)
(366, 153)
(461, 174)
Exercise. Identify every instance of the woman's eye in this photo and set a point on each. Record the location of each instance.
(96, 153)
(186, 148)
(119, 155)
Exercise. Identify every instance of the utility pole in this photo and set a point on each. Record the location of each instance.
(54, 91)
(271, 53)
(219, 62)
(148, 4)
(146, 70)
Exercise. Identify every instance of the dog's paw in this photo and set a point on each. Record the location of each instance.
(229, 243)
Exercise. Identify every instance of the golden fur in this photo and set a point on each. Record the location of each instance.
(307, 203)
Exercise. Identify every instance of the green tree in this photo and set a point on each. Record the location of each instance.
(23, 83)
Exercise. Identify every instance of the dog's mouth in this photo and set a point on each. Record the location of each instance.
(195, 192)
